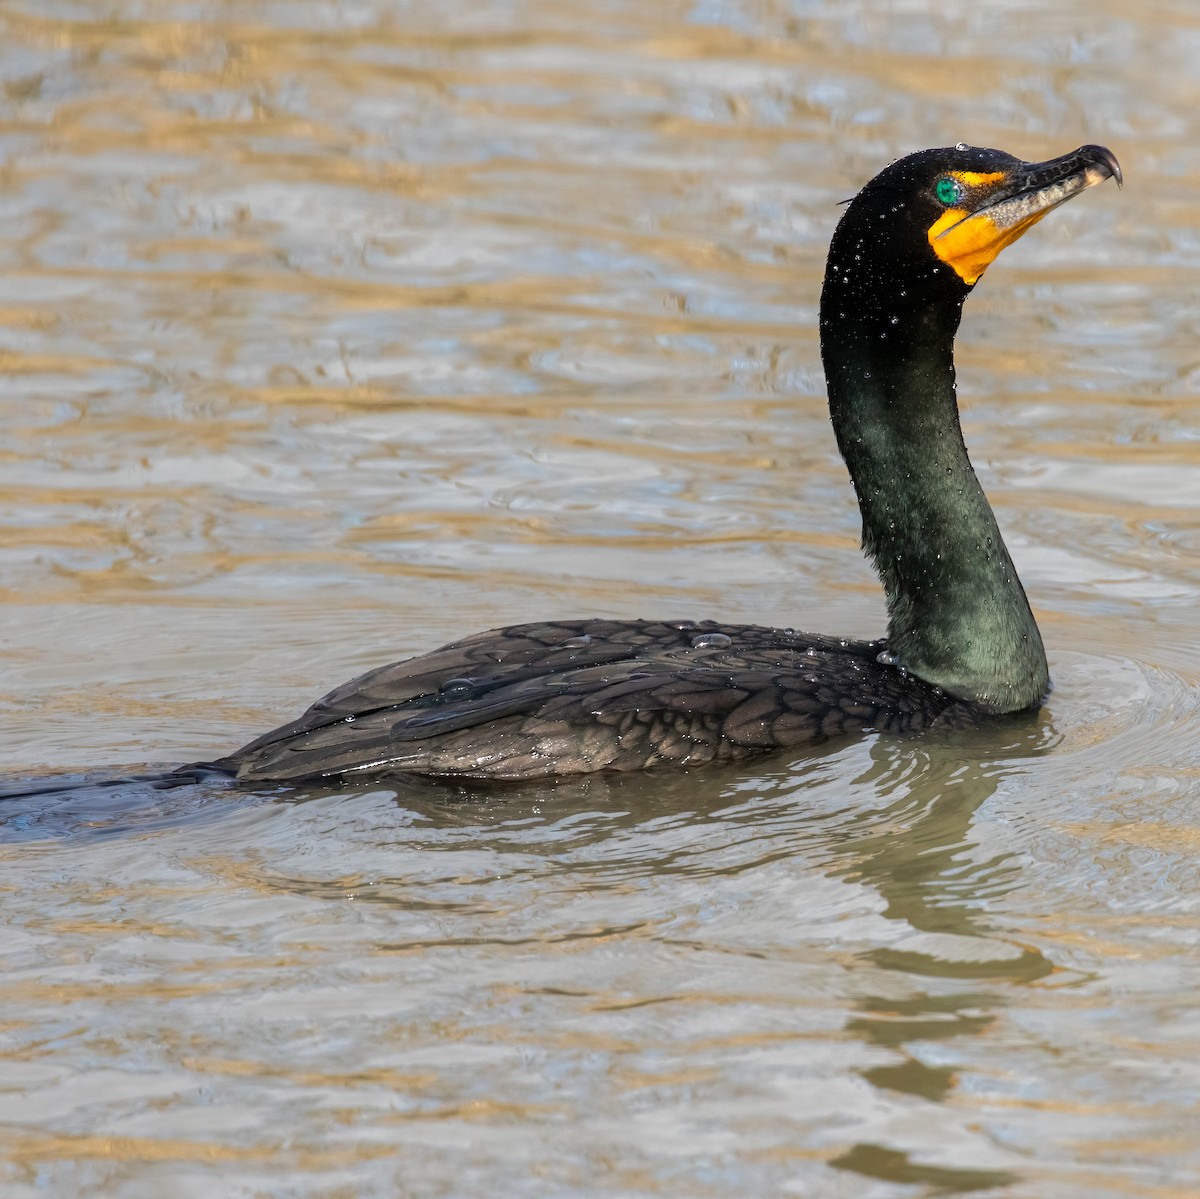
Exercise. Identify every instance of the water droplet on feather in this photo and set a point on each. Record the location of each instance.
(712, 641)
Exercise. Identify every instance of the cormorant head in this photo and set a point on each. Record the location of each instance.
(931, 223)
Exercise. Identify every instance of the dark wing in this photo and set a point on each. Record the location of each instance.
(543, 699)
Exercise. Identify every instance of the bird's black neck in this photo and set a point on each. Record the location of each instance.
(957, 613)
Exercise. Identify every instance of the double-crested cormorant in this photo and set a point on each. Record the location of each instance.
(568, 697)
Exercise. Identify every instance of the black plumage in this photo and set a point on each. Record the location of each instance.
(962, 647)
(574, 696)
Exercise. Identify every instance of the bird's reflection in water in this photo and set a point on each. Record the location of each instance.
(902, 826)
(920, 855)
(916, 850)
(895, 819)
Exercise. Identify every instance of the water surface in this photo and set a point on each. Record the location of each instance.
(331, 331)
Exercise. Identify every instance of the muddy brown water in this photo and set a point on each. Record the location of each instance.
(331, 331)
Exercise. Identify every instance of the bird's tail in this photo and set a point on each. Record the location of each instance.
(166, 780)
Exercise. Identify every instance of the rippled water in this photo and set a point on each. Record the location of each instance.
(332, 330)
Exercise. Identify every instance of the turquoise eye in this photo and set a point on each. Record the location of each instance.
(948, 191)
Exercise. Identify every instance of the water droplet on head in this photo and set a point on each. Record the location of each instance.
(961, 146)
(681, 624)
(349, 719)
(457, 687)
(712, 641)
(576, 642)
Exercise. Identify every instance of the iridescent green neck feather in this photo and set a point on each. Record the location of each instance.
(957, 613)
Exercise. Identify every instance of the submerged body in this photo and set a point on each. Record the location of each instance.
(962, 645)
